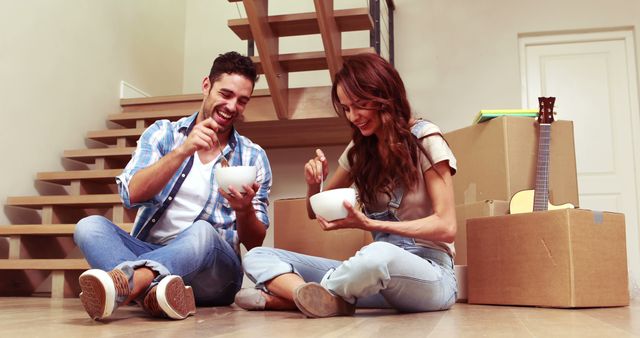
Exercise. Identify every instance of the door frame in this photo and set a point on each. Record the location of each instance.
(625, 34)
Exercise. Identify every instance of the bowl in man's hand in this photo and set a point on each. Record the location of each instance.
(235, 176)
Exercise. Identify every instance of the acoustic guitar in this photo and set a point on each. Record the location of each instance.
(538, 199)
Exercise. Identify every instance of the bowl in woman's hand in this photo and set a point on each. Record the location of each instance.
(330, 203)
(235, 176)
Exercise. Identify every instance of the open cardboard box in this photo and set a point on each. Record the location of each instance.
(563, 258)
(497, 158)
(474, 210)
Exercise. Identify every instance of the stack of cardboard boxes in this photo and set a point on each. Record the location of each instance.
(563, 258)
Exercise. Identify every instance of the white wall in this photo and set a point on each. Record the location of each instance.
(457, 57)
(60, 67)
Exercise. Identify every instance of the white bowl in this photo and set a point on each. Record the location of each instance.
(329, 204)
(235, 177)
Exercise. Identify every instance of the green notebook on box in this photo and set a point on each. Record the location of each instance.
(488, 114)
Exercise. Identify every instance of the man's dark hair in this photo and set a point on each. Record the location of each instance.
(233, 63)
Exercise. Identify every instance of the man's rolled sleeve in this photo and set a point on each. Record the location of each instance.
(148, 152)
(261, 200)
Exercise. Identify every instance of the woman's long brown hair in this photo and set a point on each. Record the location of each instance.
(377, 166)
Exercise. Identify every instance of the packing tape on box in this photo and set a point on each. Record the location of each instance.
(597, 217)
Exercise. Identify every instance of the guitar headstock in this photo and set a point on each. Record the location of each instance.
(545, 115)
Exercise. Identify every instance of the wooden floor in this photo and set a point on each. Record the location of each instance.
(43, 317)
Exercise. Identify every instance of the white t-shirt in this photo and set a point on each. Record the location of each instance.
(187, 204)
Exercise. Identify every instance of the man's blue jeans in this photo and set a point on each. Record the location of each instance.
(199, 255)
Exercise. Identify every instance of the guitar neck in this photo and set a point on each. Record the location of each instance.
(541, 191)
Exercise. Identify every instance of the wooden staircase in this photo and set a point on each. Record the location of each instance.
(42, 257)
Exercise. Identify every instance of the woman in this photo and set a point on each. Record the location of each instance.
(401, 168)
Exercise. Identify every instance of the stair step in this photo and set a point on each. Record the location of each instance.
(89, 155)
(325, 131)
(307, 61)
(82, 201)
(111, 136)
(297, 132)
(347, 20)
(129, 119)
(187, 103)
(66, 177)
(46, 229)
(44, 264)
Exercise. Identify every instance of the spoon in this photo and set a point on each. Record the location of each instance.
(223, 160)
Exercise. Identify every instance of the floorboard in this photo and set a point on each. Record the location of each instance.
(44, 317)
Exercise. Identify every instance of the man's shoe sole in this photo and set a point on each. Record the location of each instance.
(317, 302)
(98, 293)
(174, 298)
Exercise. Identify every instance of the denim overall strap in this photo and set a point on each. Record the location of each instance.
(391, 215)
(394, 203)
(406, 243)
(392, 206)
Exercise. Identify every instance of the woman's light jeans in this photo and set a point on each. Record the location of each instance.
(198, 254)
(391, 272)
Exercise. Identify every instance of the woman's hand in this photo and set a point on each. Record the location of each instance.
(355, 219)
(316, 169)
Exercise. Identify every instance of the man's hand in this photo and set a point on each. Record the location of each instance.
(241, 201)
(202, 137)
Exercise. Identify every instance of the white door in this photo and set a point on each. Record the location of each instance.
(593, 77)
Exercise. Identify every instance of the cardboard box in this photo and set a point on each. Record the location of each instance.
(294, 231)
(474, 210)
(497, 158)
(562, 258)
(461, 281)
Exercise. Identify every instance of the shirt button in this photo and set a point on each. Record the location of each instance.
(170, 198)
(153, 220)
(183, 175)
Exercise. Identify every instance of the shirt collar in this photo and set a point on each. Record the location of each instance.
(185, 125)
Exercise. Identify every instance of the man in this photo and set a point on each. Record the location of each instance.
(184, 248)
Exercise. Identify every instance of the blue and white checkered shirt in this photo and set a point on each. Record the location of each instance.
(164, 136)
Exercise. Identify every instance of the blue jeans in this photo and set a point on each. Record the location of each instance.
(380, 275)
(392, 272)
(198, 254)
